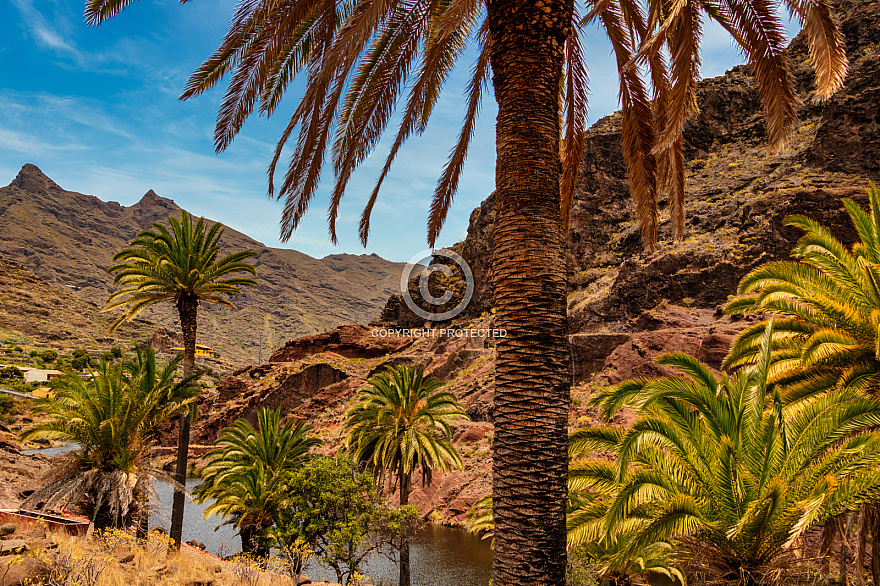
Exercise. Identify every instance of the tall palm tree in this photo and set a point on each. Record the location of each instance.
(721, 467)
(246, 474)
(112, 419)
(400, 423)
(182, 266)
(359, 55)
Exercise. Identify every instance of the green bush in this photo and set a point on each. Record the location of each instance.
(18, 349)
(80, 360)
(10, 372)
(116, 351)
(7, 408)
(49, 355)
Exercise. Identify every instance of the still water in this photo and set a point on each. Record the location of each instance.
(439, 556)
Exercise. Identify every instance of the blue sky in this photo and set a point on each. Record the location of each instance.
(97, 110)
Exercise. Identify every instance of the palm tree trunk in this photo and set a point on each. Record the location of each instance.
(187, 308)
(875, 544)
(860, 555)
(532, 376)
(845, 528)
(404, 481)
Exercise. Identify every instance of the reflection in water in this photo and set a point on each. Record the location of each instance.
(440, 556)
(223, 541)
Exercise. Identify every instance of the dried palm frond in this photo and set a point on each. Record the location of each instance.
(826, 43)
(447, 185)
(574, 111)
(760, 33)
(637, 123)
(107, 497)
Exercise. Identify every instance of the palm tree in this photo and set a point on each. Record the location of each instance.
(112, 419)
(246, 474)
(723, 469)
(393, 429)
(826, 304)
(359, 55)
(183, 266)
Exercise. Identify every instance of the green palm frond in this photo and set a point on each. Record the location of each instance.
(829, 300)
(246, 475)
(742, 471)
(400, 423)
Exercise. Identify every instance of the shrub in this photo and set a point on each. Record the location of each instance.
(80, 359)
(49, 355)
(10, 372)
(7, 405)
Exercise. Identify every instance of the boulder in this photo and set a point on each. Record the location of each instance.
(13, 546)
(21, 571)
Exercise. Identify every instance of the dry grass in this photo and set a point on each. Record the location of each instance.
(116, 558)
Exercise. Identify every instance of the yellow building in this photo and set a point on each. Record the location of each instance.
(200, 351)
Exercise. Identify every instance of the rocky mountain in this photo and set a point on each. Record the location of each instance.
(69, 239)
(625, 307)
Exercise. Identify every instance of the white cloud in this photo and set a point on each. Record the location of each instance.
(44, 32)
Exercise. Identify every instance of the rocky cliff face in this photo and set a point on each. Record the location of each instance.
(69, 239)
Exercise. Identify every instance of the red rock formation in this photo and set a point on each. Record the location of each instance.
(353, 341)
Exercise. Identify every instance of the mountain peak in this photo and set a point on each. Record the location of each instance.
(31, 178)
(153, 200)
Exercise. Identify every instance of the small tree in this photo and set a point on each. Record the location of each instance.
(340, 514)
(80, 359)
(11, 372)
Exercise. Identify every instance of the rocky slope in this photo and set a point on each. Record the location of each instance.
(53, 314)
(625, 307)
(69, 239)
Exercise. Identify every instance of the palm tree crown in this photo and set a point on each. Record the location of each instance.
(112, 418)
(827, 307)
(177, 265)
(723, 467)
(362, 57)
(393, 428)
(247, 473)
